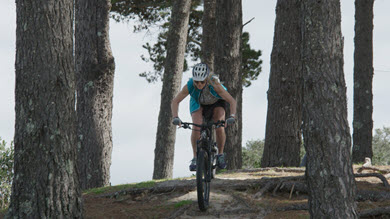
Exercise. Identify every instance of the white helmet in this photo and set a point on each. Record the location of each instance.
(200, 72)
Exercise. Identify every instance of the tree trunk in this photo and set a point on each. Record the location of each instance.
(95, 69)
(326, 133)
(173, 71)
(208, 34)
(363, 74)
(46, 183)
(284, 115)
(228, 66)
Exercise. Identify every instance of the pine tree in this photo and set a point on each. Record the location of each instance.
(284, 115)
(209, 33)
(95, 82)
(329, 174)
(173, 71)
(45, 183)
(228, 58)
(363, 75)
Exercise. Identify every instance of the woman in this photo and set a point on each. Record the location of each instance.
(209, 99)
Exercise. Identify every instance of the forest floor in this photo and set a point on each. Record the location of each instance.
(254, 193)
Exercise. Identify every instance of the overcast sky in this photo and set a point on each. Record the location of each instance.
(136, 103)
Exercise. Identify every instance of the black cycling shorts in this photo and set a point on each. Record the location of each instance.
(209, 109)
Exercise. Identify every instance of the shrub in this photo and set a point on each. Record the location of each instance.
(381, 146)
(252, 153)
(6, 173)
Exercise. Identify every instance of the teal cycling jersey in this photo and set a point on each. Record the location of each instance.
(195, 94)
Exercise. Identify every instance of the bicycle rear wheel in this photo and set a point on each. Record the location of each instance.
(203, 179)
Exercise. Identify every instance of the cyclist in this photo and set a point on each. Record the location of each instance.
(209, 99)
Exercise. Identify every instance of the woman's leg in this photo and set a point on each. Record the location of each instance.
(219, 114)
(197, 118)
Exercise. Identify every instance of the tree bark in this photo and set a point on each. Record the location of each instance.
(363, 76)
(173, 71)
(95, 69)
(209, 33)
(284, 115)
(46, 183)
(325, 128)
(228, 65)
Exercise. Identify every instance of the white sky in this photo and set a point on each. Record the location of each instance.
(136, 103)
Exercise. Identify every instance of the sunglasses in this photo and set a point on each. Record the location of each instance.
(200, 82)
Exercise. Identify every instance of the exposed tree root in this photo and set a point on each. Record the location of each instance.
(374, 169)
(290, 185)
(154, 190)
(179, 212)
(364, 195)
(263, 190)
(241, 200)
(294, 207)
(376, 212)
(276, 169)
(380, 176)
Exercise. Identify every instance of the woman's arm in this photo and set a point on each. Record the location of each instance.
(175, 102)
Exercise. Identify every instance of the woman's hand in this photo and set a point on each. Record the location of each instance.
(176, 121)
(231, 120)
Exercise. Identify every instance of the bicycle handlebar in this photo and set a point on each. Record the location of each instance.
(220, 123)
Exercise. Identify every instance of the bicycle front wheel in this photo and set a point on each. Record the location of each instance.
(203, 179)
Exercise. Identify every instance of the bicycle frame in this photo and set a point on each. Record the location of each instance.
(207, 142)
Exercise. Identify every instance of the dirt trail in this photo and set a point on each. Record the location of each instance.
(243, 194)
(232, 196)
(260, 193)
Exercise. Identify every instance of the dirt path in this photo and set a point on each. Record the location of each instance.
(224, 203)
(260, 193)
(232, 196)
(242, 194)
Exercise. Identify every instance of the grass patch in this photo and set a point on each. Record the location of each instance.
(3, 211)
(182, 203)
(183, 178)
(108, 189)
(221, 171)
(304, 216)
(146, 184)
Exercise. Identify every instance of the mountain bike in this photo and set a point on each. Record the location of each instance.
(206, 162)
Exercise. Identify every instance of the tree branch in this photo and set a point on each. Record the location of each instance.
(194, 41)
(248, 22)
